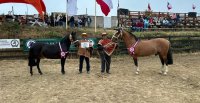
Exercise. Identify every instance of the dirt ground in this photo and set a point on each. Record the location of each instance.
(181, 85)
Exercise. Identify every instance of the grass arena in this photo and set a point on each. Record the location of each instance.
(180, 85)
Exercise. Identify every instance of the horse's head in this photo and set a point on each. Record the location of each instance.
(117, 35)
(72, 37)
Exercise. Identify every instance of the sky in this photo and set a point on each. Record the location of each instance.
(178, 6)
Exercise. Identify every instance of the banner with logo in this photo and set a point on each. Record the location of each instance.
(9, 43)
(28, 42)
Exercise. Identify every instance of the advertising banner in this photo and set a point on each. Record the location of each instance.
(9, 43)
(27, 42)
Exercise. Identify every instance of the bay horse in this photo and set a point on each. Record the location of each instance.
(51, 51)
(138, 48)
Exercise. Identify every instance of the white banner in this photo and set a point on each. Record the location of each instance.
(9, 43)
(72, 7)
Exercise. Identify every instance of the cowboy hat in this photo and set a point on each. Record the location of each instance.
(104, 34)
(84, 34)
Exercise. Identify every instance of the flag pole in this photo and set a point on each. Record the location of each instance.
(12, 11)
(118, 14)
(95, 18)
(66, 15)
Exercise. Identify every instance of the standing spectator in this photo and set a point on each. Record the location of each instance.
(71, 21)
(133, 24)
(83, 21)
(57, 20)
(52, 20)
(64, 21)
(140, 25)
(105, 48)
(79, 22)
(89, 21)
(84, 52)
(146, 23)
(178, 18)
(151, 22)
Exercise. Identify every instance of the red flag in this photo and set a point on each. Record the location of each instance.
(169, 6)
(38, 4)
(193, 6)
(106, 5)
(149, 7)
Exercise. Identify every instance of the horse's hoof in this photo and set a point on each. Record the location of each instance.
(161, 72)
(137, 73)
(165, 73)
(41, 73)
(63, 72)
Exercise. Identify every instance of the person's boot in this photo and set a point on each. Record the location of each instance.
(108, 72)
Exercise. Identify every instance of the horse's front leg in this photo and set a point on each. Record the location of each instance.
(31, 70)
(136, 64)
(63, 65)
(38, 66)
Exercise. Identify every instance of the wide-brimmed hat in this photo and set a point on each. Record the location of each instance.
(104, 34)
(84, 34)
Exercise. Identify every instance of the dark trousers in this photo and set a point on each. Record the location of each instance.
(87, 60)
(105, 62)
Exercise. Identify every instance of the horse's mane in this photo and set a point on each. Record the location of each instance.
(136, 38)
(65, 38)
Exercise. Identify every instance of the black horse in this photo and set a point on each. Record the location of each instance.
(56, 51)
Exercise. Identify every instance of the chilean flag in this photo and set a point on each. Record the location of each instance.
(169, 6)
(149, 7)
(193, 6)
(106, 6)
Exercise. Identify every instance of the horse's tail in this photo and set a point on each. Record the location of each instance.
(31, 59)
(169, 56)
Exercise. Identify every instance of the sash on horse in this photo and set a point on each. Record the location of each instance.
(109, 46)
(62, 53)
(132, 48)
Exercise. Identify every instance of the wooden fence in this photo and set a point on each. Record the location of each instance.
(178, 44)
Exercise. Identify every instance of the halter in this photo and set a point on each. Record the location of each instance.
(71, 39)
(117, 37)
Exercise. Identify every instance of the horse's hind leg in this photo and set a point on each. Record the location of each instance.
(164, 64)
(38, 66)
(162, 61)
(136, 64)
(166, 67)
(63, 65)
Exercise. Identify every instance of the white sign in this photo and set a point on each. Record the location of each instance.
(9, 43)
(84, 44)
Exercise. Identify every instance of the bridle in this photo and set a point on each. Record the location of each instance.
(117, 37)
(71, 39)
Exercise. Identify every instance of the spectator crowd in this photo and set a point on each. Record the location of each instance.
(144, 22)
(52, 20)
